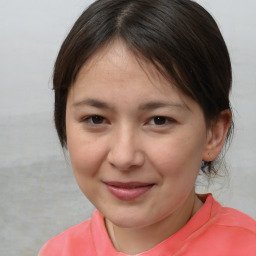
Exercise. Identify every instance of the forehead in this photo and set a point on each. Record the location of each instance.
(116, 60)
(114, 71)
(115, 77)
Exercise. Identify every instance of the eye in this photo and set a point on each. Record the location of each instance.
(95, 120)
(160, 120)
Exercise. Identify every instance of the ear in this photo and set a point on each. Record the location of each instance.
(216, 136)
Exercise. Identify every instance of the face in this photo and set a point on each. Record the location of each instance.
(135, 142)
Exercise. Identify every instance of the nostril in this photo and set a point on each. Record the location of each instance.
(124, 160)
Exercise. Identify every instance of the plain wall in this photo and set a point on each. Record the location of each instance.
(39, 197)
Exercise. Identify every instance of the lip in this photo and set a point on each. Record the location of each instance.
(128, 190)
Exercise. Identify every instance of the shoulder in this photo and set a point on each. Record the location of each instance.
(69, 241)
(227, 217)
(232, 231)
(234, 219)
(224, 231)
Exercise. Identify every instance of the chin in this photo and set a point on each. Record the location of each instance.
(126, 220)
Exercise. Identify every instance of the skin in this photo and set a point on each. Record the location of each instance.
(125, 122)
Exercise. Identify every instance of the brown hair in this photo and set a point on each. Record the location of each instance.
(179, 37)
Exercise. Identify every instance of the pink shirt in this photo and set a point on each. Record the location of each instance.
(213, 231)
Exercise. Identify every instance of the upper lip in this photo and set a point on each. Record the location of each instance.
(132, 184)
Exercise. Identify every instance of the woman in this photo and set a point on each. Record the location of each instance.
(142, 104)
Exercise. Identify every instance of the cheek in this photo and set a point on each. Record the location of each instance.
(178, 156)
(86, 154)
(86, 158)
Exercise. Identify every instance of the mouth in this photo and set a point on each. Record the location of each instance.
(128, 190)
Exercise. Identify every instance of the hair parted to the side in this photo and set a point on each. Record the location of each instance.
(179, 37)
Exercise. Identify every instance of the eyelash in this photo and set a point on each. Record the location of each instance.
(96, 120)
(163, 120)
(89, 120)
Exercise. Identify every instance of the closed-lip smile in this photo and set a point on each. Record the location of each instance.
(127, 190)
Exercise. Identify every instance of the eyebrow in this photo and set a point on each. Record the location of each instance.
(94, 103)
(151, 105)
(159, 104)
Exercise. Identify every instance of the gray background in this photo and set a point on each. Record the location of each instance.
(38, 194)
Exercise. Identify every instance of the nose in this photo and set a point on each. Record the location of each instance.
(125, 151)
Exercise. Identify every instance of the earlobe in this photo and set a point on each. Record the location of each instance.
(216, 136)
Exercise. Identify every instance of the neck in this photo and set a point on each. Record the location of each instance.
(136, 240)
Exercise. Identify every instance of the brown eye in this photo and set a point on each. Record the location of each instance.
(159, 120)
(95, 119)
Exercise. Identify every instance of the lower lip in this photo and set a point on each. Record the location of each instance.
(128, 194)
